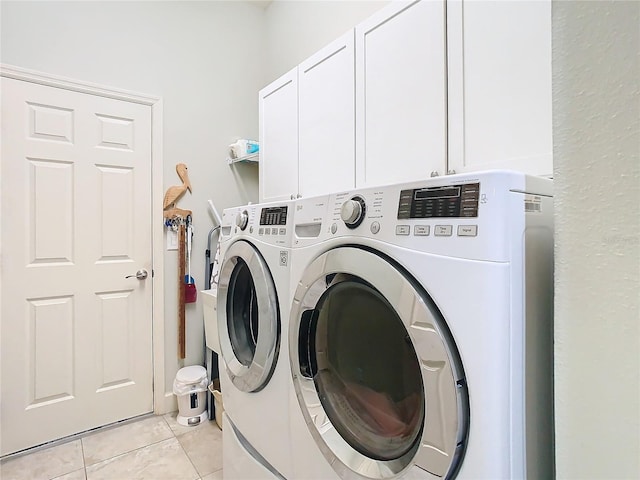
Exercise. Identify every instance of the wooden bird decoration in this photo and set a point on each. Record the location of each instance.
(175, 192)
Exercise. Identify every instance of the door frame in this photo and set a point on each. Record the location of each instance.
(161, 403)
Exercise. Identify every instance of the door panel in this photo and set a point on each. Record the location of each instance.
(76, 219)
(327, 119)
(499, 90)
(401, 93)
(278, 112)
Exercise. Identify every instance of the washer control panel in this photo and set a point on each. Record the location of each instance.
(268, 223)
(273, 216)
(455, 201)
(462, 215)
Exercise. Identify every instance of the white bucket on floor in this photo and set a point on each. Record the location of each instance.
(190, 386)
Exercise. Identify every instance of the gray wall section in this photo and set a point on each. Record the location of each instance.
(596, 105)
(203, 58)
(297, 29)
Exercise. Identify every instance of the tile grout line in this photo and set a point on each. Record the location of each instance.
(164, 417)
(190, 461)
(84, 462)
(135, 449)
(183, 450)
(130, 451)
(200, 476)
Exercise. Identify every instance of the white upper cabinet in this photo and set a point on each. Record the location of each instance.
(500, 85)
(278, 112)
(326, 119)
(421, 88)
(401, 93)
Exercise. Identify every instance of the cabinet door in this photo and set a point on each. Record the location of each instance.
(500, 85)
(278, 111)
(326, 92)
(401, 93)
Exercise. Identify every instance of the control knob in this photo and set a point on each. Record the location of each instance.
(352, 211)
(242, 219)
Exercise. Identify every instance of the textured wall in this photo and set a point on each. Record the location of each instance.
(596, 103)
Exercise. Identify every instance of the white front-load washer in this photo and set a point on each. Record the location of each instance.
(253, 308)
(421, 330)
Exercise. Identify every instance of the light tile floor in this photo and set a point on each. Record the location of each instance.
(154, 448)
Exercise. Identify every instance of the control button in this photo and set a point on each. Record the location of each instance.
(242, 219)
(421, 230)
(353, 211)
(251, 229)
(375, 227)
(443, 230)
(261, 231)
(334, 228)
(283, 231)
(403, 229)
(350, 211)
(467, 230)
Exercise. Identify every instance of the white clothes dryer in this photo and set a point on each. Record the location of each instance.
(254, 295)
(421, 330)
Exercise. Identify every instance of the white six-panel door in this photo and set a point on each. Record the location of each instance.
(76, 334)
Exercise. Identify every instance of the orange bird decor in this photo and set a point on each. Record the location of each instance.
(175, 192)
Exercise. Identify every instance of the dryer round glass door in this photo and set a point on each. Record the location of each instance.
(248, 317)
(376, 372)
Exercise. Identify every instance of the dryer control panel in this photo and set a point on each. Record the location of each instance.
(455, 201)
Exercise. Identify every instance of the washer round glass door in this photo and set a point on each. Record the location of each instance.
(248, 317)
(376, 373)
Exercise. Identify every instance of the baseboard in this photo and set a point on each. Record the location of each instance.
(167, 404)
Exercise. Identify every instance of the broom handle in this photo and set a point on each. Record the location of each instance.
(181, 319)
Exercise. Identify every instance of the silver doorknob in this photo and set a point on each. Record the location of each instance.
(140, 274)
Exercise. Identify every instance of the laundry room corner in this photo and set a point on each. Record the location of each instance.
(208, 91)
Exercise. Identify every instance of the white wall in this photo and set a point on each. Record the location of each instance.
(596, 103)
(296, 29)
(203, 58)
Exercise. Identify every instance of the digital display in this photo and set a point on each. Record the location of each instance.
(273, 216)
(447, 192)
(459, 201)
